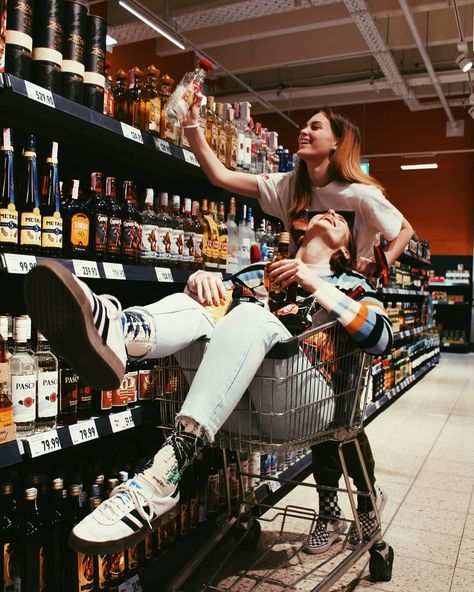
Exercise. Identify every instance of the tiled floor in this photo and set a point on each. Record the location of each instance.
(424, 451)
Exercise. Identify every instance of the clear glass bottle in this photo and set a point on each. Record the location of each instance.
(244, 240)
(183, 96)
(168, 126)
(23, 378)
(232, 265)
(48, 386)
(149, 231)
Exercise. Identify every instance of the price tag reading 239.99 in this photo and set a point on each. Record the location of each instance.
(43, 443)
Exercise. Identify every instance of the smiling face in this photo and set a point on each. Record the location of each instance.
(332, 227)
(316, 140)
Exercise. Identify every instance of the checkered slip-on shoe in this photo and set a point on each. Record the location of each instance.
(324, 535)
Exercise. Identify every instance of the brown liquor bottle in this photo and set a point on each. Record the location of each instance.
(151, 102)
(135, 98)
(77, 225)
(131, 224)
(8, 213)
(279, 294)
(122, 112)
(114, 228)
(168, 127)
(99, 218)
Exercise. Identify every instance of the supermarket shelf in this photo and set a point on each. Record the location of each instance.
(446, 303)
(450, 284)
(403, 292)
(455, 347)
(374, 408)
(407, 257)
(50, 441)
(411, 332)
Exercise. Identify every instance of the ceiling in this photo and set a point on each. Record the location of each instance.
(300, 53)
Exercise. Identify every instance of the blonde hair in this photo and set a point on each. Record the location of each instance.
(344, 162)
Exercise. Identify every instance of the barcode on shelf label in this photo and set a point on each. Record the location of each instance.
(121, 421)
(131, 585)
(114, 271)
(40, 94)
(190, 158)
(132, 133)
(163, 274)
(16, 263)
(43, 443)
(273, 485)
(163, 146)
(83, 432)
(87, 269)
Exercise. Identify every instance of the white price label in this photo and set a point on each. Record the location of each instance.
(131, 585)
(190, 158)
(16, 263)
(121, 421)
(163, 146)
(114, 271)
(83, 432)
(40, 94)
(163, 274)
(87, 269)
(132, 133)
(43, 443)
(273, 485)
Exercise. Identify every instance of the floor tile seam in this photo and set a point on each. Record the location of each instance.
(462, 538)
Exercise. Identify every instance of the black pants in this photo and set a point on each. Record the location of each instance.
(327, 469)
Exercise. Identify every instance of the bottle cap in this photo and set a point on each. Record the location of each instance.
(75, 490)
(152, 70)
(165, 79)
(40, 337)
(149, 195)
(284, 237)
(123, 476)
(95, 490)
(205, 65)
(20, 329)
(31, 493)
(6, 489)
(57, 484)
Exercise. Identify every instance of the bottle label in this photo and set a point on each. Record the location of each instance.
(24, 397)
(85, 572)
(129, 229)
(129, 387)
(189, 247)
(80, 230)
(213, 493)
(223, 250)
(114, 234)
(48, 383)
(222, 145)
(52, 231)
(8, 567)
(155, 115)
(177, 243)
(132, 557)
(84, 396)
(6, 407)
(68, 383)
(106, 400)
(103, 569)
(234, 152)
(198, 243)
(9, 225)
(149, 241)
(101, 222)
(146, 384)
(30, 228)
(169, 127)
(240, 148)
(117, 566)
(214, 138)
(248, 151)
(119, 398)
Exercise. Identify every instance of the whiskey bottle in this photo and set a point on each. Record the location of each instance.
(131, 224)
(51, 220)
(48, 386)
(212, 131)
(99, 217)
(8, 213)
(135, 98)
(198, 235)
(277, 293)
(151, 102)
(68, 384)
(74, 42)
(29, 206)
(223, 238)
(77, 225)
(114, 228)
(23, 376)
(122, 112)
(47, 44)
(163, 243)
(19, 38)
(6, 405)
(148, 254)
(8, 524)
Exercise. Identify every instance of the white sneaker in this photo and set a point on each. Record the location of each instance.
(131, 512)
(84, 328)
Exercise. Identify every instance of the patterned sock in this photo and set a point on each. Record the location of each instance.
(138, 331)
(178, 451)
(364, 504)
(328, 505)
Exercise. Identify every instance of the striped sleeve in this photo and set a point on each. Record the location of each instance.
(365, 320)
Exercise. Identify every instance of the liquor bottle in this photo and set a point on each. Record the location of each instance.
(51, 220)
(254, 146)
(189, 236)
(19, 38)
(272, 149)
(29, 571)
(8, 213)
(114, 228)
(232, 264)
(116, 571)
(94, 61)
(245, 121)
(277, 293)
(131, 223)
(47, 45)
(23, 371)
(183, 97)
(6, 405)
(250, 227)
(198, 235)
(76, 222)
(203, 115)
(148, 252)
(147, 381)
(122, 112)
(223, 237)
(168, 127)
(231, 140)
(135, 97)
(84, 400)
(79, 566)
(74, 42)
(29, 207)
(213, 482)
(212, 130)
(151, 102)
(99, 209)
(109, 103)
(221, 133)
(210, 239)
(244, 240)
(55, 537)
(8, 524)
(48, 386)
(177, 233)
(68, 384)
(163, 218)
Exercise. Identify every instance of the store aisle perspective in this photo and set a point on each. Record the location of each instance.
(424, 450)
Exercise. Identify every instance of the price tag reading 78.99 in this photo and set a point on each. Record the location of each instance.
(83, 432)
(43, 443)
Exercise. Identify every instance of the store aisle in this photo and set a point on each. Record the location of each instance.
(424, 451)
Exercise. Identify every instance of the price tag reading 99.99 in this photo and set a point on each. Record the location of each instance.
(16, 263)
(43, 443)
(83, 432)
(40, 94)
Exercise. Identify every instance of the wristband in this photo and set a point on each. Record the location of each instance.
(190, 125)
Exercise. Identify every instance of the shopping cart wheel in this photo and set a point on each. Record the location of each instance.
(248, 534)
(381, 562)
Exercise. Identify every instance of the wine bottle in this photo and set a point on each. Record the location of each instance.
(8, 213)
(51, 220)
(29, 206)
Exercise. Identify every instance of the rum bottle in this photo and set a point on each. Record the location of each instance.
(231, 140)
(221, 133)
(48, 386)
(68, 384)
(189, 236)
(19, 38)
(99, 218)
(135, 98)
(177, 233)
(8, 524)
(23, 376)
(223, 237)
(198, 235)
(8, 213)
(77, 223)
(29, 206)
(51, 219)
(148, 252)
(163, 245)
(79, 566)
(212, 130)
(232, 264)
(211, 240)
(122, 112)
(114, 228)
(131, 224)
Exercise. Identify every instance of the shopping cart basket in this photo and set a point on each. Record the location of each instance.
(310, 388)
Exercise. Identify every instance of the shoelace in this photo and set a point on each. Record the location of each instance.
(117, 503)
(117, 307)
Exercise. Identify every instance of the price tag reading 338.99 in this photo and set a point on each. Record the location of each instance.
(40, 94)
(83, 432)
(43, 443)
(114, 271)
(121, 421)
(16, 263)
(132, 133)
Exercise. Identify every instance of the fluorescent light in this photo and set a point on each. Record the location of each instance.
(110, 41)
(416, 167)
(151, 24)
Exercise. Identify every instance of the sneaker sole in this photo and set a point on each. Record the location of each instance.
(336, 536)
(61, 311)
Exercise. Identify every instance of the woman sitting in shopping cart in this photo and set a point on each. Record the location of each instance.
(96, 337)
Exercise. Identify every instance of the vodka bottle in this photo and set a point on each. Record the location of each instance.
(240, 131)
(250, 229)
(48, 385)
(23, 378)
(232, 265)
(245, 118)
(244, 240)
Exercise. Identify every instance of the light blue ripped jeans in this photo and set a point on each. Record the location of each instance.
(234, 362)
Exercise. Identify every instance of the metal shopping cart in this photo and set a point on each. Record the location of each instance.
(310, 389)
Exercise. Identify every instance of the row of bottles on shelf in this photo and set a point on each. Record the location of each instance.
(407, 276)
(57, 45)
(418, 248)
(408, 315)
(391, 369)
(95, 225)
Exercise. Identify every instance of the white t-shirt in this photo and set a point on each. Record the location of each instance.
(373, 213)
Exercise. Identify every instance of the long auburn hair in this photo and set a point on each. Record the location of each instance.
(344, 162)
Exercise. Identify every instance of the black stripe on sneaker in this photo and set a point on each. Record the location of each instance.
(131, 524)
(98, 321)
(105, 330)
(136, 515)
